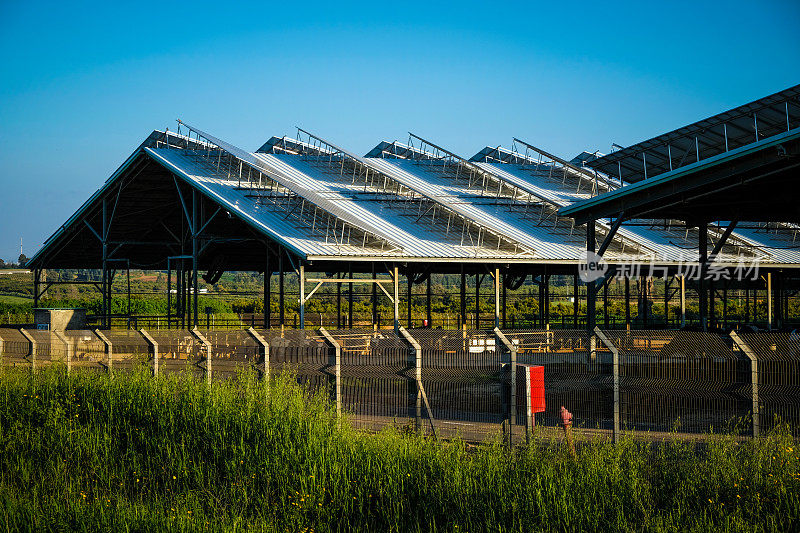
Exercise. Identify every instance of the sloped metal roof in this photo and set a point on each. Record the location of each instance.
(402, 202)
(740, 126)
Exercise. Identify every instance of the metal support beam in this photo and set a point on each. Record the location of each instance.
(591, 289)
(683, 301)
(721, 242)
(627, 302)
(575, 300)
(301, 279)
(428, 313)
(396, 302)
(769, 301)
(106, 284)
(478, 280)
(37, 274)
(374, 298)
(703, 250)
(267, 292)
(547, 299)
(281, 306)
(463, 298)
(350, 299)
(338, 302)
(195, 286)
(504, 297)
(409, 285)
(496, 297)
(609, 236)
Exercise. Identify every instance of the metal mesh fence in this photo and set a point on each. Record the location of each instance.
(778, 356)
(376, 378)
(16, 347)
(573, 376)
(688, 382)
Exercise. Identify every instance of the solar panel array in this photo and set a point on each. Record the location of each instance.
(425, 203)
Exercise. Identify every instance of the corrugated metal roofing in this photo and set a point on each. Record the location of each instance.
(417, 207)
(668, 243)
(520, 220)
(392, 217)
(706, 138)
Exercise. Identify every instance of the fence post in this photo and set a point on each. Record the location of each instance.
(199, 336)
(109, 349)
(154, 345)
(529, 420)
(422, 396)
(32, 342)
(745, 348)
(67, 348)
(2, 347)
(512, 404)
(615, 371)
(337, 369)
(265, 345)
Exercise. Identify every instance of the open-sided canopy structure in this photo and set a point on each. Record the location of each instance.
(740, 167)
(188, 201)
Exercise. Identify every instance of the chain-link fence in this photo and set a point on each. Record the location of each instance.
(459, 382)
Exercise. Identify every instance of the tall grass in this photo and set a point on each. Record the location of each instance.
(89, 452)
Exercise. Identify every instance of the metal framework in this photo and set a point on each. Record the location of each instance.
(188, 201)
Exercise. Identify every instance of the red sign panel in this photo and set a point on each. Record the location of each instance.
(536, 380)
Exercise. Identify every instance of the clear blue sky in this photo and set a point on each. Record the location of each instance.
(82, 85)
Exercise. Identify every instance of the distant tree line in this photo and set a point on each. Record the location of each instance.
(22, 262)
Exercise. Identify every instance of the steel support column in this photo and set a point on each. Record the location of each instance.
(281, 306)
(267, 292)
(409, 285)
(769, 300)
(396, 293)
(703, 250)
(477, 300)
(591, 287)
(37, 274)
(428, 310)
(496, 297)
(195, 226)
(338, 302)
(504, 300)
(547, 299)
(301, 279)
(627, 302)
(105, 284)
(463, 299)
(374, 298)
(683, 301)
(575, 300)
(350, 299)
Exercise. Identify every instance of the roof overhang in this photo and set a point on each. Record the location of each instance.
(756, 182)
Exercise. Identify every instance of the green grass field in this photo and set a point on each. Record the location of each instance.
(136, 453)
(8, 299)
